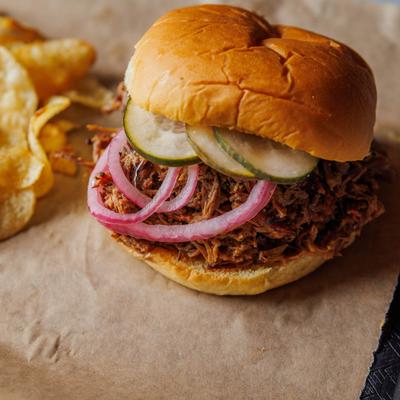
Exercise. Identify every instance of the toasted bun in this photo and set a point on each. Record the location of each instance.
(233, 281)
(224, 66)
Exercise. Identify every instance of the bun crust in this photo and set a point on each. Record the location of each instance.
(237, 281)
(224, 66)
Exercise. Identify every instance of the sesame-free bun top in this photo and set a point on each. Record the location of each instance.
(220, 65)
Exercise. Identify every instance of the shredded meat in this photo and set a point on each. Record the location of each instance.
(323, 213)
(119, 100)
(101, 139)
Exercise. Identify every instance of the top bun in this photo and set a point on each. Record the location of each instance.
(224, 66)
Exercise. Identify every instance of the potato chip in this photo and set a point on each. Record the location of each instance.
(53, 136)
(54, 106)
(91, 93)
(19, 169)
(55, 66)
(64, 125)
(60, 162)
(16, 209)
(12, 32)
(18, 101)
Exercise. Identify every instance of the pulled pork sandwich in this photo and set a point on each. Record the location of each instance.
(245, 161)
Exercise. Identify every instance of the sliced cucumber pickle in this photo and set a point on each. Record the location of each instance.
(265, 158)
(204, 142)
(157, 138)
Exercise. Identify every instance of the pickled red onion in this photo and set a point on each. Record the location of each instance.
(185, 194)
(103, 214)
(131, 224)
(256, 201)
(135, 195)
(120, 180)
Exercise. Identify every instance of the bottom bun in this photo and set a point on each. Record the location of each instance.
(232, 281)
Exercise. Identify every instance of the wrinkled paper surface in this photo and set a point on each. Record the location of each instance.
(81, 319)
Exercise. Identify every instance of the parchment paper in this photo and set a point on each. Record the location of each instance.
(81, 319)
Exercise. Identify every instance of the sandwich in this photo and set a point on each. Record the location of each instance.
(246, 159)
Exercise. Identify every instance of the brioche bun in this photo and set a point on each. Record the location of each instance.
(220, 65)
(228, 281)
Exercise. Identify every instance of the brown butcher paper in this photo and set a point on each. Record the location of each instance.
(80, 318)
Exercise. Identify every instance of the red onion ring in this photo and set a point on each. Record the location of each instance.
(135, 195)
(185, 194)
(256, 201)
(130, 224)
(105, 215)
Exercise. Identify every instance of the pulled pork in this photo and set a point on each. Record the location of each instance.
(323, 213)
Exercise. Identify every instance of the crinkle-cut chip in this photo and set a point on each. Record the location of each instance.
(19, 168)
(18, 100)
(11, 31)
(16, 209)
(54, 106)
(53, 136)
(91, 93)
(55, 66)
